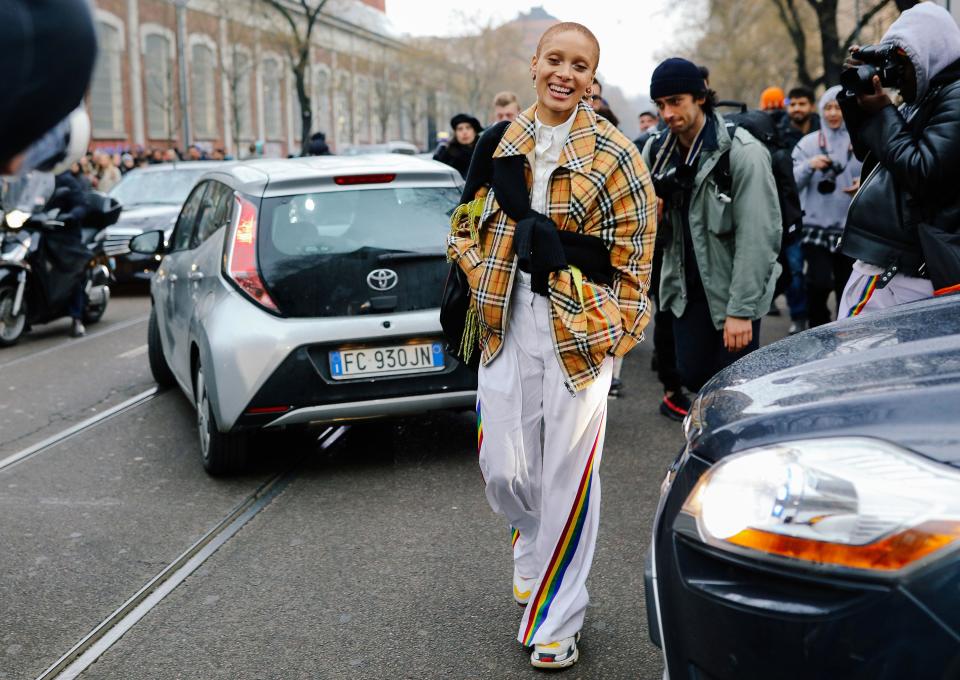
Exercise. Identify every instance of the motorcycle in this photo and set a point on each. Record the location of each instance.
(39, 270)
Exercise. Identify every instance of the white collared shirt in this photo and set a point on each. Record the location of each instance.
(546, 158)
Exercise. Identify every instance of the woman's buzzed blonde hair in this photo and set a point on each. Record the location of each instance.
(565, 26)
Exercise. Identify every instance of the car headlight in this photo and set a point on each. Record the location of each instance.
(848, 502)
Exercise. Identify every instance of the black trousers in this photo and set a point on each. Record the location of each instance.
(826, 272)
(664, 345)
(700, 350)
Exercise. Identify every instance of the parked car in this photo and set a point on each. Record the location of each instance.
(151, 198)
(306, 291)
(405, 148)
(811, 526)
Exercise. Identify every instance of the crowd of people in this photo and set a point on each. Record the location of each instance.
(102, 169)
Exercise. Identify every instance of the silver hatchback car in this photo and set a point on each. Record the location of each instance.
(305, 291)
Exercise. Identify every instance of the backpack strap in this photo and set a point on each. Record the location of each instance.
(722, 174)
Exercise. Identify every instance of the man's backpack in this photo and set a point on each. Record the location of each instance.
(762, 127)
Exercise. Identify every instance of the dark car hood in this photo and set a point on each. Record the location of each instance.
(146, 217)
(893, 375)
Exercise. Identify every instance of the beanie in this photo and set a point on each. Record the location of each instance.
(676, 76)
(771, 98)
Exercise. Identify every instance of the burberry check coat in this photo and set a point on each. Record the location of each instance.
(601, 188)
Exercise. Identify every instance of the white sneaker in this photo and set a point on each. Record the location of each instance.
(556, 655)
(522, 588)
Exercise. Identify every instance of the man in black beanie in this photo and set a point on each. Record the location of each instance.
(49, 47)
(720, 200)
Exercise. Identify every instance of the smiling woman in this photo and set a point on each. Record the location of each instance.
(567, 243)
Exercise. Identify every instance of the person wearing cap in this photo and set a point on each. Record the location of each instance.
(459, 151)
(720, 253)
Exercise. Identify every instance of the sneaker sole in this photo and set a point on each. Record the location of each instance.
(557, 665)
(667, 412)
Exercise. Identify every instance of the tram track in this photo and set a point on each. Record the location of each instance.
(75, 429)
(96, 642)
(75, 342)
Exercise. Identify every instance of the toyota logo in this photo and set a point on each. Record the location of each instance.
(382, 279)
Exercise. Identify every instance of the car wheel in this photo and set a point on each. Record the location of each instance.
(93, 314)
(223, 454)
(11, 327)
(158, 363)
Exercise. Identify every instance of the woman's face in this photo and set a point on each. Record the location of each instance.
(465, 133)
(832, 115)
(562, 72)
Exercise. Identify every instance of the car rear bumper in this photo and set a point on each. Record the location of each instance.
(718, 616)
(263, 370)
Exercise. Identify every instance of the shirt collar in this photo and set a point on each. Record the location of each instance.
(519, 138)
(556, 133)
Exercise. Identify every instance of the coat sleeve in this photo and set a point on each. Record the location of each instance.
(925, 166)
(631, 217)
(802, 172)
(463, 248)
(758, 227)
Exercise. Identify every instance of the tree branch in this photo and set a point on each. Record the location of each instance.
(287, 16)
(865, 19)
(790, 17)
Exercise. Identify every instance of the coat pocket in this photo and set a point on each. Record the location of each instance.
(719, 215)
(602, 311)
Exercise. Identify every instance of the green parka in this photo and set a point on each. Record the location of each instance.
(735, 242)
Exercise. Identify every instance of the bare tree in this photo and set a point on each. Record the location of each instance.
(300, 17)
(832, 49)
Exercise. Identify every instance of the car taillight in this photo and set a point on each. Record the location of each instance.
(242, 255)
(347, 180)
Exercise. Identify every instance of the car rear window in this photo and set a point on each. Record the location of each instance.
(316, 250)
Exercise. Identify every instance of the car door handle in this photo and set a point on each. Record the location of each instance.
(195, 276)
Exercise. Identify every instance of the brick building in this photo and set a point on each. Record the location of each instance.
(365, 85)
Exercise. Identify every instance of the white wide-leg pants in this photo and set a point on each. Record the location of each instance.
(540, 449)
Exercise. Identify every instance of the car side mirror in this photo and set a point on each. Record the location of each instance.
(147, 243)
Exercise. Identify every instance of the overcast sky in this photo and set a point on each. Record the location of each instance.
(629, 32)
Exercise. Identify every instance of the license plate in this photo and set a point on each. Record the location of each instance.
(396, 360)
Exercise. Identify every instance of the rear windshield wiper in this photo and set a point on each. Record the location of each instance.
(393, 257)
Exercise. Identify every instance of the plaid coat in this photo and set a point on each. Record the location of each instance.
(601, 188)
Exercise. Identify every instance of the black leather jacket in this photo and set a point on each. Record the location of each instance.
(909, 177)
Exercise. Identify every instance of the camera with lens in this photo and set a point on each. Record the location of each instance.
(673, 181)
(828, 184)
(879, 60)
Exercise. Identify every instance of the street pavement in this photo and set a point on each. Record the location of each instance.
(381, 559)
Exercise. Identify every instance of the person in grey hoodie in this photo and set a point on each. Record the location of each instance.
(903, 224)
(827, 175)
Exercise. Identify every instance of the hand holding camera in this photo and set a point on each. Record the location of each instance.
(868, 70)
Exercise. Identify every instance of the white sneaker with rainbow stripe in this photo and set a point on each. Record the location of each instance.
(556, 655)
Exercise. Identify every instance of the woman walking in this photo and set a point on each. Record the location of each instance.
(558, 263)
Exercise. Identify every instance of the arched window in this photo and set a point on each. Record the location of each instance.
(321, 100)
(272, 109)
(203, 90)
(158, 77)
(362, 103)
(240, 79)
(106, 88)
(344, 114)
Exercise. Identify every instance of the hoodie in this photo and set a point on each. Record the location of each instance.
(826, 211)
(931, 39)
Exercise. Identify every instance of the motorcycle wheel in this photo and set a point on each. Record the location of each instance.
(11, 327)
(92, 314)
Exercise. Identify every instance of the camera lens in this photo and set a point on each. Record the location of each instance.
(827, 186)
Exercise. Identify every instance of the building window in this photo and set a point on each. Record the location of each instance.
(106, 88)
(272, 110)
(158, 74)
(240, 83)
(203, 91)
(363, 109)
(344, 114)
(321, 106)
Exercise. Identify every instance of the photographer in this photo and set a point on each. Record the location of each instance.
(903, 223)
(827, 175)
(720, 258)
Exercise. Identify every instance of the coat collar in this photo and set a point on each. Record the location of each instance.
(520, 139)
